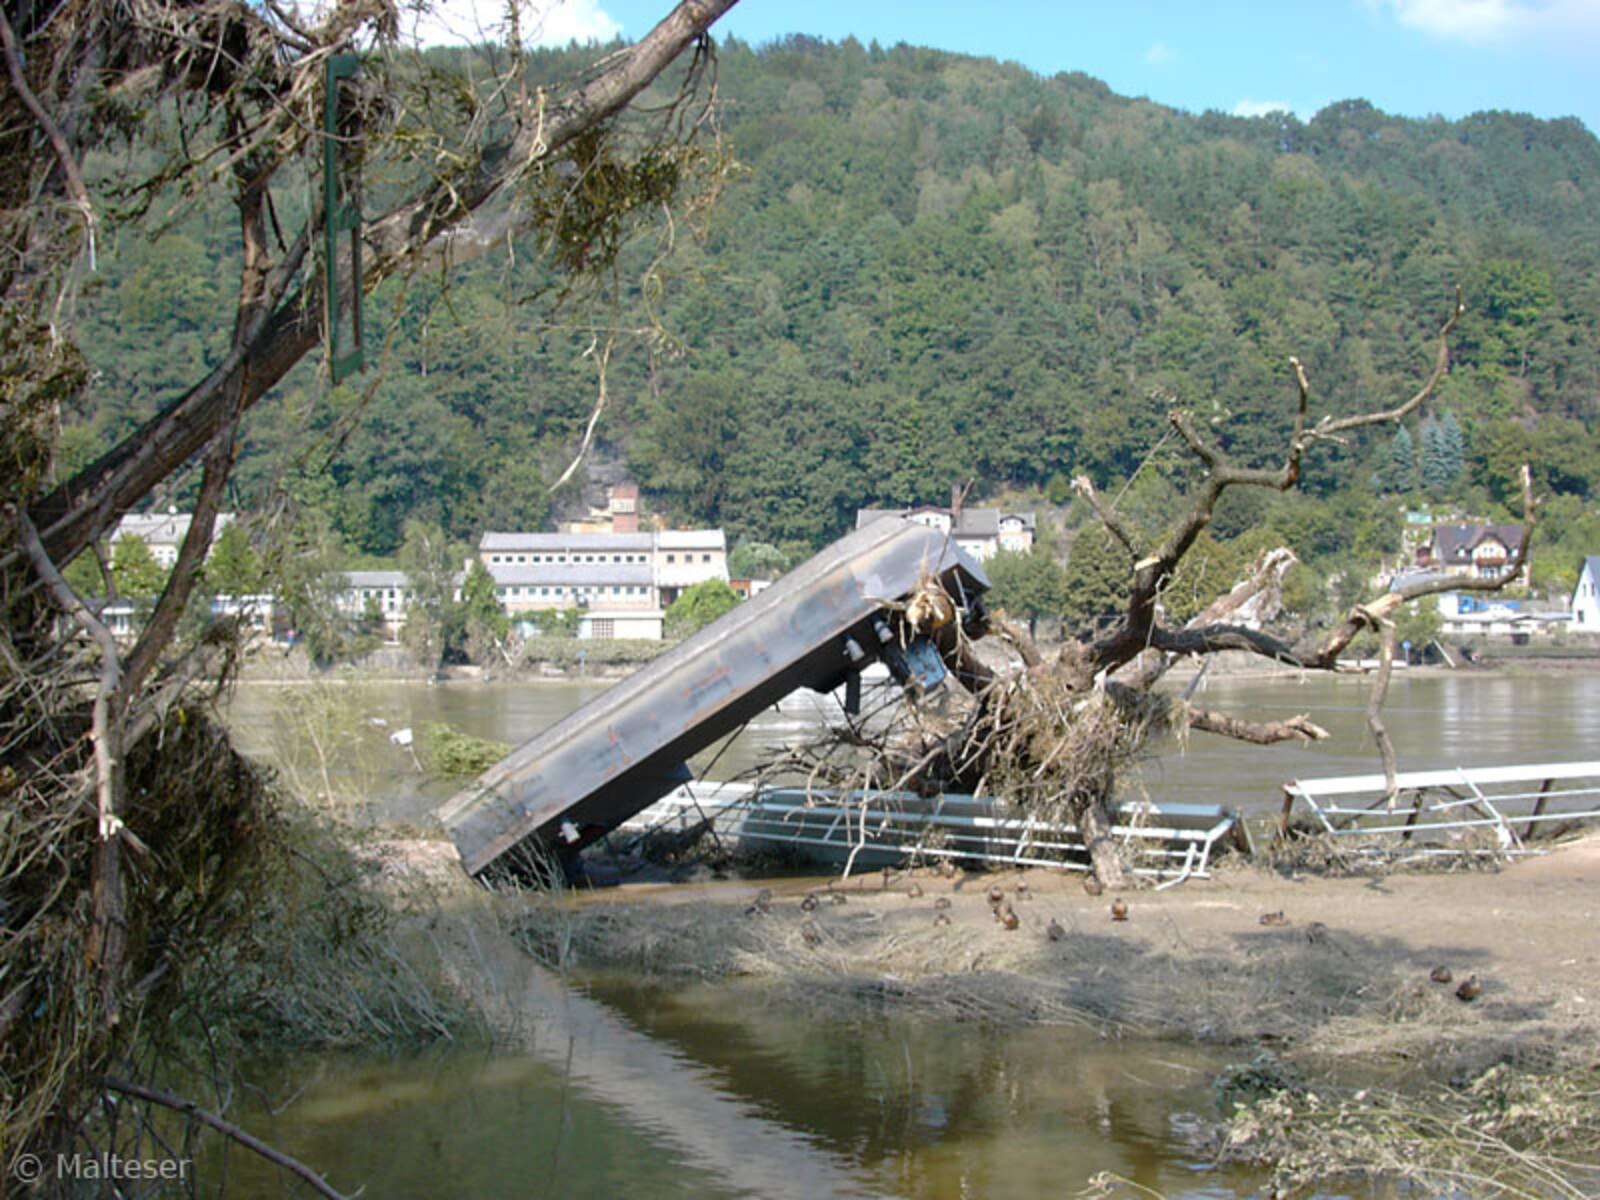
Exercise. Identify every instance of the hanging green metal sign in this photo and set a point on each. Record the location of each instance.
(341, 206)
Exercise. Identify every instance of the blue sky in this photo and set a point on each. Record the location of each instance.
(1411, 57)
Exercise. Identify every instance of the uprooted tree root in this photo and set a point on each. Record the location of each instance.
(1035, 741)
(240, 925)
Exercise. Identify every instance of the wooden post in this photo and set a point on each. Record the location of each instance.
(1538, 809)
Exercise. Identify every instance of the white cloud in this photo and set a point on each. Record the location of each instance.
(1160, 54)
(543, 23)
(1480, 22)
(1261, 108)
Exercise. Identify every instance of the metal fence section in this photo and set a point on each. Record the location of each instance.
(862, 830)
(1455, 811)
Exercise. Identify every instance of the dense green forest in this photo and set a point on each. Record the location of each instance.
(928, 267)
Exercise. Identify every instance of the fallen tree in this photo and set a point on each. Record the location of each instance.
(131, 823)
(1052, 735)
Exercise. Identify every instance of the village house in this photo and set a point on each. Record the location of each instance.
(1472, 551)
(615, 600)
(386, 594)
(163, 533)
(1586, 597)
(619, 583)
(981, 532)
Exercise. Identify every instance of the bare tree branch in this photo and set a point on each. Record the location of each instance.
(1108, 516)
(408, 234)
(106, 942)
(228, 1130)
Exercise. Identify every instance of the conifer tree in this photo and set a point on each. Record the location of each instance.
(1452, 446)
(1399, 473)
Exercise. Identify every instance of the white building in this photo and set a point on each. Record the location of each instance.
(163, 533)
(1586, 597)
(981, 532)
(615, 600)
(1469, 614)
(1474, 551)
(675, 558)
(685, 557)
(387, 593)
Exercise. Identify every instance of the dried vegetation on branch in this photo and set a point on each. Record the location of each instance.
(147, 873)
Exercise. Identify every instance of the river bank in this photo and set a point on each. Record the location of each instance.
(1192, 970)
(1345, 973)
(1330, 1010)
(567, 660)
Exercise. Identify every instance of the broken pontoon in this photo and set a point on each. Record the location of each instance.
(816, 627)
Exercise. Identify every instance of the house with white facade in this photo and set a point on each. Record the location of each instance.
(1468, 615)
(981, 532)
(1586, 597)
(685, 557)
(1474, 551)
(614, 600)
(163, 533)
(386, 593)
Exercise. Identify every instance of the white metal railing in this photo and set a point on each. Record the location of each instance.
(1443, 812)
(1173, 841)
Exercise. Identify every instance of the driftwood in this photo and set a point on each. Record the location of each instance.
(1052, 734)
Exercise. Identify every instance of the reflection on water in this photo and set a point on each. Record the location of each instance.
(713, 1092)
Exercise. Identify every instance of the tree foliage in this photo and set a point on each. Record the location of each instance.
(234, 567)
(697, 607)
(1094, 586)
(134, 569)
(1029, 585)
(946, 267)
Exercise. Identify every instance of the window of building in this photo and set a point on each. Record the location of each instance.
(603, 627)
(672, 558)
(705, 558)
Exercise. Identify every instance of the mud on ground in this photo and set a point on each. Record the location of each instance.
(1346, 976)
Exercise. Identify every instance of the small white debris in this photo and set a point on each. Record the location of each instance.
(401, 737)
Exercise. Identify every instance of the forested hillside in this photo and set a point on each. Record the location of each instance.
(929, 267)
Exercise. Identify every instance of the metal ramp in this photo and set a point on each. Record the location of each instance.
(816, 627)
(1459, 810)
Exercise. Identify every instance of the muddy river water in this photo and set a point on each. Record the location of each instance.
(607, 1087)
